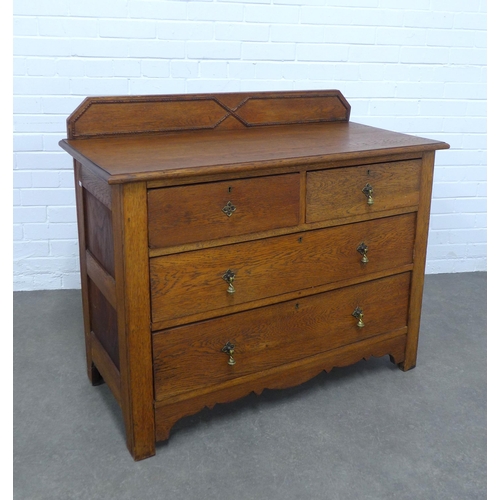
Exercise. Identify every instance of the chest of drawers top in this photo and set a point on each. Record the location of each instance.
(153, 137)
(235, 242)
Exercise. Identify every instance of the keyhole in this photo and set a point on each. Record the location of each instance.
(368, 172)
(300, 240)
(229, 189)
(297, 306)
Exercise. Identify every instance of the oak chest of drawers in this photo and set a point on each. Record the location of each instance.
(235, 242)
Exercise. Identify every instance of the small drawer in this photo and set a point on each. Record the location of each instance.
(189, 357)
(362, 190)
(193, 282)
(186, 214)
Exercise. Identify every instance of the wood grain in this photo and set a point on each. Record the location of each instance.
(191, 282)
(125, 115)
(103, 322)
(338, 192)
(101, 278)
(292, 109)
(417, 285)
(207, 152)
(229, 240)
(152, 174)
(295, 295)
(97, 186)
(299, 166)
(99, 232)
(190, 356)
(133, 313)
(187, 214)
(92, 372)
(170, 411)
(106, 367)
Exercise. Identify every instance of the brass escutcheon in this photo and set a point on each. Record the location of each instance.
(229, 350)
(363, 249)
(229, 276)
(358, 314)
(229, 209)
(368, 192)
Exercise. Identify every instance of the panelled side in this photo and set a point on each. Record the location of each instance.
(92, 372)
(114, 260)
(97, 266)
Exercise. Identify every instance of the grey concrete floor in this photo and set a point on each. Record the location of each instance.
(364, 432)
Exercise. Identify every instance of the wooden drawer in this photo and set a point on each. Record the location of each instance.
(186, 214)
(190, 357)
(338, 192)
(192, 282)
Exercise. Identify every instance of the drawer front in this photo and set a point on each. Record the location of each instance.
(338, 192)
(186, 214)
(192, 282)
(190, 357)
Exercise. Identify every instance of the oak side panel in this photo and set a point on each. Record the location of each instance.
(107, 367)
(103, 322)
(99, 232)
(129, 203)
(97, 186)
(420, 254)
(92, 372)
(102, 279)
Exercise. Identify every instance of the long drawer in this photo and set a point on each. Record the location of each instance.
(192, 356)
(193, 282)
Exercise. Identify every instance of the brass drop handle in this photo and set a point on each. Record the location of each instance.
(229, 276)
(229, 350)
(358, 314)
(229, 209)
(363, 249)
(368, 192)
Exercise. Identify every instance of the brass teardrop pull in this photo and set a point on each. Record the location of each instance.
(358, 314)
(229, 350)
(229, 276)
(368, 192)
(363, 249)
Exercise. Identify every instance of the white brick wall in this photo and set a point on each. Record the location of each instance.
(415, 66)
